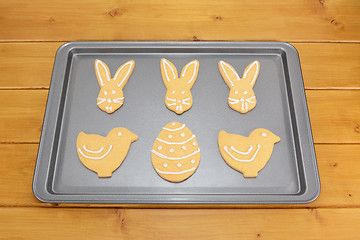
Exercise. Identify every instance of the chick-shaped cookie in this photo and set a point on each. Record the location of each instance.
(178, 96)
(104, 155)
(247, 155)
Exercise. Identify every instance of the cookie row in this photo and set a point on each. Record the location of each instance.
(178, 95)
(176, 154)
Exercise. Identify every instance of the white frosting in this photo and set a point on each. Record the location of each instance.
(194, 143)
(236, 92)
(174, 129)
(173, 92)
(105, 92)
(245, 92)
(249, 99)
(166, 73)
(170, 136)
(173, 124)
(181, 172)
(171, 104)
(179, 164)
(182, 134)
(182, 92)
(93, 151)
(195, 71)
(183, 147)
(243, 153)
(119, 133)
(97, 62)
(101, 157)
(256, 63)
(127, 73)
(171, 99)
(180, 143)
(159, 147)
(174, 158)
(242, 160)
(192, 161)
(101, 100)
(165, 164)
(172, 150)
(109, 100)
(113, 91)
(264, 134)
(222, 63)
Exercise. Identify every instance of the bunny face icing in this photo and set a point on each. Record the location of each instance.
(178, 96)
(111, 95)
(241, 97)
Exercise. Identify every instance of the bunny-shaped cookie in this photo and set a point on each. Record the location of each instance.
(178, 96)
(241, 97)
(111, 96)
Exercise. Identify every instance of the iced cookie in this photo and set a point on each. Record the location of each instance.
(178, 96)
(104, 155)
(247, 155)
(175, 153)
(241, 97)
(111, 96)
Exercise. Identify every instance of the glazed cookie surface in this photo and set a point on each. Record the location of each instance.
(247, 155)
(178, 96)
(104, 155)
(111, 96)
(175, 154)
(241, 96)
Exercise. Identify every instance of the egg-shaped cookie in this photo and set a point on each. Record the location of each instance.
(175, 154)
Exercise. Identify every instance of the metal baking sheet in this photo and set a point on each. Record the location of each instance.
(290, 176)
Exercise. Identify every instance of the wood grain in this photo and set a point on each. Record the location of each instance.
(22, 112)
(179, 224)
(68, 20)
(324, 65)
(339, 166)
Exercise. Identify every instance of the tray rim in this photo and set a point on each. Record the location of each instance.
(41, 175)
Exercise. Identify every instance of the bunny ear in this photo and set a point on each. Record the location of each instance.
(251, 73)
(168, 71)
(123, 73)
(190, 71)
(228, 73)
(102, 72)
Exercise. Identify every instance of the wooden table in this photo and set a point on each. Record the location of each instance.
(327, 36)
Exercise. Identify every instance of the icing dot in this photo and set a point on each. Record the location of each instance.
(182, 92)
(173, 92)
(109, 100)
(245, 92)
(192, 161)
(119, 133)
(236, 92)
(194, 143)
(171, 150)
(165, 165)
(159, 147)
(105, 92)
(173, 124)
(179, 101)
(183, 147)
(113, 91)
(179, 164)
(242, 100)
(169, 136)
(182, 134)
(263, 134)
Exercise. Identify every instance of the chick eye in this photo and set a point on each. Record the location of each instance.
(264, 134)
(236, 92)
(119, 133)
(245, 92)
(182, 92)
(113, 91)
(105, 92)
(173, 92)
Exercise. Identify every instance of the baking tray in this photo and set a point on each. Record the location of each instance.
(290, 176)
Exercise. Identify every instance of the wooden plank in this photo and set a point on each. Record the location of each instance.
(22, 112)
(324, 65)
(44, 223)
(339, 166)
(68, 20)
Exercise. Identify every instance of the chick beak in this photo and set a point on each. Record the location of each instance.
(276, 138)
(133, 137)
